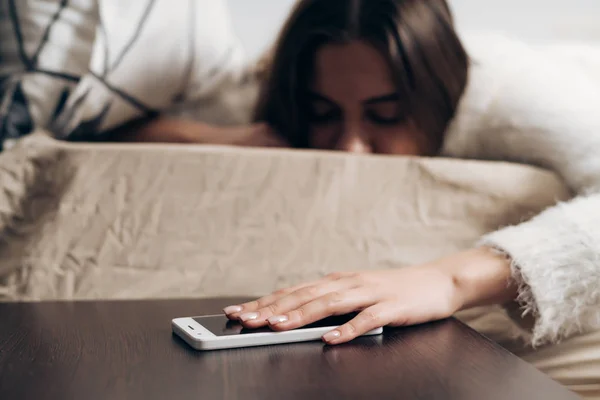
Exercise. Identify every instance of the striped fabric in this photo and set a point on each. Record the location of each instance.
(81, 67)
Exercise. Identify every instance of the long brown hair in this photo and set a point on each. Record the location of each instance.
(417, 37)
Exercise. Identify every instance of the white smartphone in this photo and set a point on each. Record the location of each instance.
(214, 332)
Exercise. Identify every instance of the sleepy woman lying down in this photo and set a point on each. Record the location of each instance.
(392, 77)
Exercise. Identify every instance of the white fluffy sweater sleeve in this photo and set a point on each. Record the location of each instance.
(541, 106)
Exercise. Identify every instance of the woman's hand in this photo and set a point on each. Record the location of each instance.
(398, 297)
(252, 135)
(172, 130)
(255, 135)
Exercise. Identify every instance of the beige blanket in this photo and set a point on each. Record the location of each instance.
(139, 221)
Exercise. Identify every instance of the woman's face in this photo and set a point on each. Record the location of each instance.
(353, 104)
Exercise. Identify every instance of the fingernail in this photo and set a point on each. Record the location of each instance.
(278, 319)
(232, 309)
(330, 336)
(249, 316)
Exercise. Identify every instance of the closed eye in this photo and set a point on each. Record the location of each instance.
(321, 110)
(385, 113)
(379, 119)
(332, 115)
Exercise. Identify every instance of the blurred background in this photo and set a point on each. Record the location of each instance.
(258, 21)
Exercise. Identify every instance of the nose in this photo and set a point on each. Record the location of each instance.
(352, 141)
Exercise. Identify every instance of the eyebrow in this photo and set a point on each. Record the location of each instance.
(387, 98)
(317, 96)
(392, 97)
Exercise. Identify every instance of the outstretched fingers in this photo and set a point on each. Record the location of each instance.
(376, 316)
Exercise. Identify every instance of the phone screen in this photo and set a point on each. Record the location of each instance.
(222, 326)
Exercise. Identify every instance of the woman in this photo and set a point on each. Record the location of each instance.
(388, 76)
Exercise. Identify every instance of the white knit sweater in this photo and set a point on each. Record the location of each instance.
(541, 106)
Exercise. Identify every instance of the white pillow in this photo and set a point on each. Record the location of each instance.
(107, 62)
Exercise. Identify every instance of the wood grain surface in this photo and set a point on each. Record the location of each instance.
(125, 350)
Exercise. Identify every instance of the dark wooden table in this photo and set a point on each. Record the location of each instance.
(125, 350)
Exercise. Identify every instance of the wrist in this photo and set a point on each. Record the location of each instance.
(480, 277)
